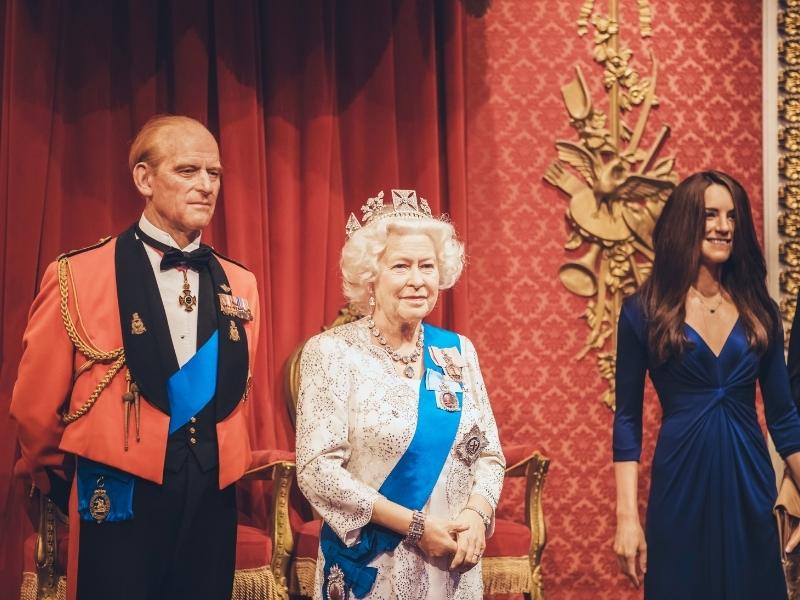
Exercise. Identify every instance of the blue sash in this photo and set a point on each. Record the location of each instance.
(409, 484)
(193, 386)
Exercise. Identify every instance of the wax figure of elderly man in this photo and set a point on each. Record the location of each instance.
(150, 338)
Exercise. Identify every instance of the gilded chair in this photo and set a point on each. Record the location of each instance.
(512, 560)
(262, 557)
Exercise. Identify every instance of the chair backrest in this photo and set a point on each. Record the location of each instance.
(347, 314)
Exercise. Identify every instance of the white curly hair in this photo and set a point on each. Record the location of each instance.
(361, 253)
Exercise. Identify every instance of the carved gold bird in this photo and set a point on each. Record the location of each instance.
(611, 180)
(609, 202)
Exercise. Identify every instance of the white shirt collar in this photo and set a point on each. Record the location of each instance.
(165, 238)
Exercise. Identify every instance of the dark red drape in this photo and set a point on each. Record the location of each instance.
(316, 106)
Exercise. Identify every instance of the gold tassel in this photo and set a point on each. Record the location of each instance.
(253, 584)
(30, 584)
(301, 577)
(506, 575)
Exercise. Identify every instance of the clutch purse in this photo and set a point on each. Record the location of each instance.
(787, 513)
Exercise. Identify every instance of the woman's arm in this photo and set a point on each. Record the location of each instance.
(780, 410)
(323, 446)
(489, 472)
(631, 368)
(779, 405)
(629, 538)
(438, 537)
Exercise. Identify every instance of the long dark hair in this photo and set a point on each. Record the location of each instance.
(677, 240)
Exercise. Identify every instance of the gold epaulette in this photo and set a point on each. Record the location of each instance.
(91, 352)
(100, 242)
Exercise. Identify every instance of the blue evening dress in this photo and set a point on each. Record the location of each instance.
(710, 531)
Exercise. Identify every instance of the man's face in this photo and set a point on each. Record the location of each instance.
(182, 190)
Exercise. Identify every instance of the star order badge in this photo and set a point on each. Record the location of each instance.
(471, 445)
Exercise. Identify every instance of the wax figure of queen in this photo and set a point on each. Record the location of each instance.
(150, 338)
(397, 445)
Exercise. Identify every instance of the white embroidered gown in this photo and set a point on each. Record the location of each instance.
(355, 419)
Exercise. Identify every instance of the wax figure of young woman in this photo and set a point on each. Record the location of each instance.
(397, 446)
(705, 328)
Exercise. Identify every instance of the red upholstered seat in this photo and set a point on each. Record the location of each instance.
(516, 454)
(262, 458)
(253, 547)
(308, 539)
(509, 539)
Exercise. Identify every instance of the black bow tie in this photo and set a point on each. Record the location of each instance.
(196, 259)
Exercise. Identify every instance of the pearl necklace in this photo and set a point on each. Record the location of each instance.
(408, 359)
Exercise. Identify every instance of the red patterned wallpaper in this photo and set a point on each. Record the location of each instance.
(524, 323)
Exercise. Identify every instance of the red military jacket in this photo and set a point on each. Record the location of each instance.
(56, 378)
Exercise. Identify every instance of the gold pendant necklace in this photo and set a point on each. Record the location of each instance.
(703, 303)
(186, 300)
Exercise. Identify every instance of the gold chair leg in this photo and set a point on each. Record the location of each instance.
(282, 539)
(535, 472)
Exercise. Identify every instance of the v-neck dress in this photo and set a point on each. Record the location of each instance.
(710, 530)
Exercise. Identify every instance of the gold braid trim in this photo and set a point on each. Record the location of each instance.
(93, 354)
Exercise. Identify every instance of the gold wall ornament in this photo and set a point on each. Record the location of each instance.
(789, 253)
(617, 186)
(789, 157)
(789, 108)
(789, 137)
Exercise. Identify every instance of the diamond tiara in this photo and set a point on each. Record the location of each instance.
(405, 205)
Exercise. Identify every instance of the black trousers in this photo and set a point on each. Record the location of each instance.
(181, 542)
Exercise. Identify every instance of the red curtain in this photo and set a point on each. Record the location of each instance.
(316, 106)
